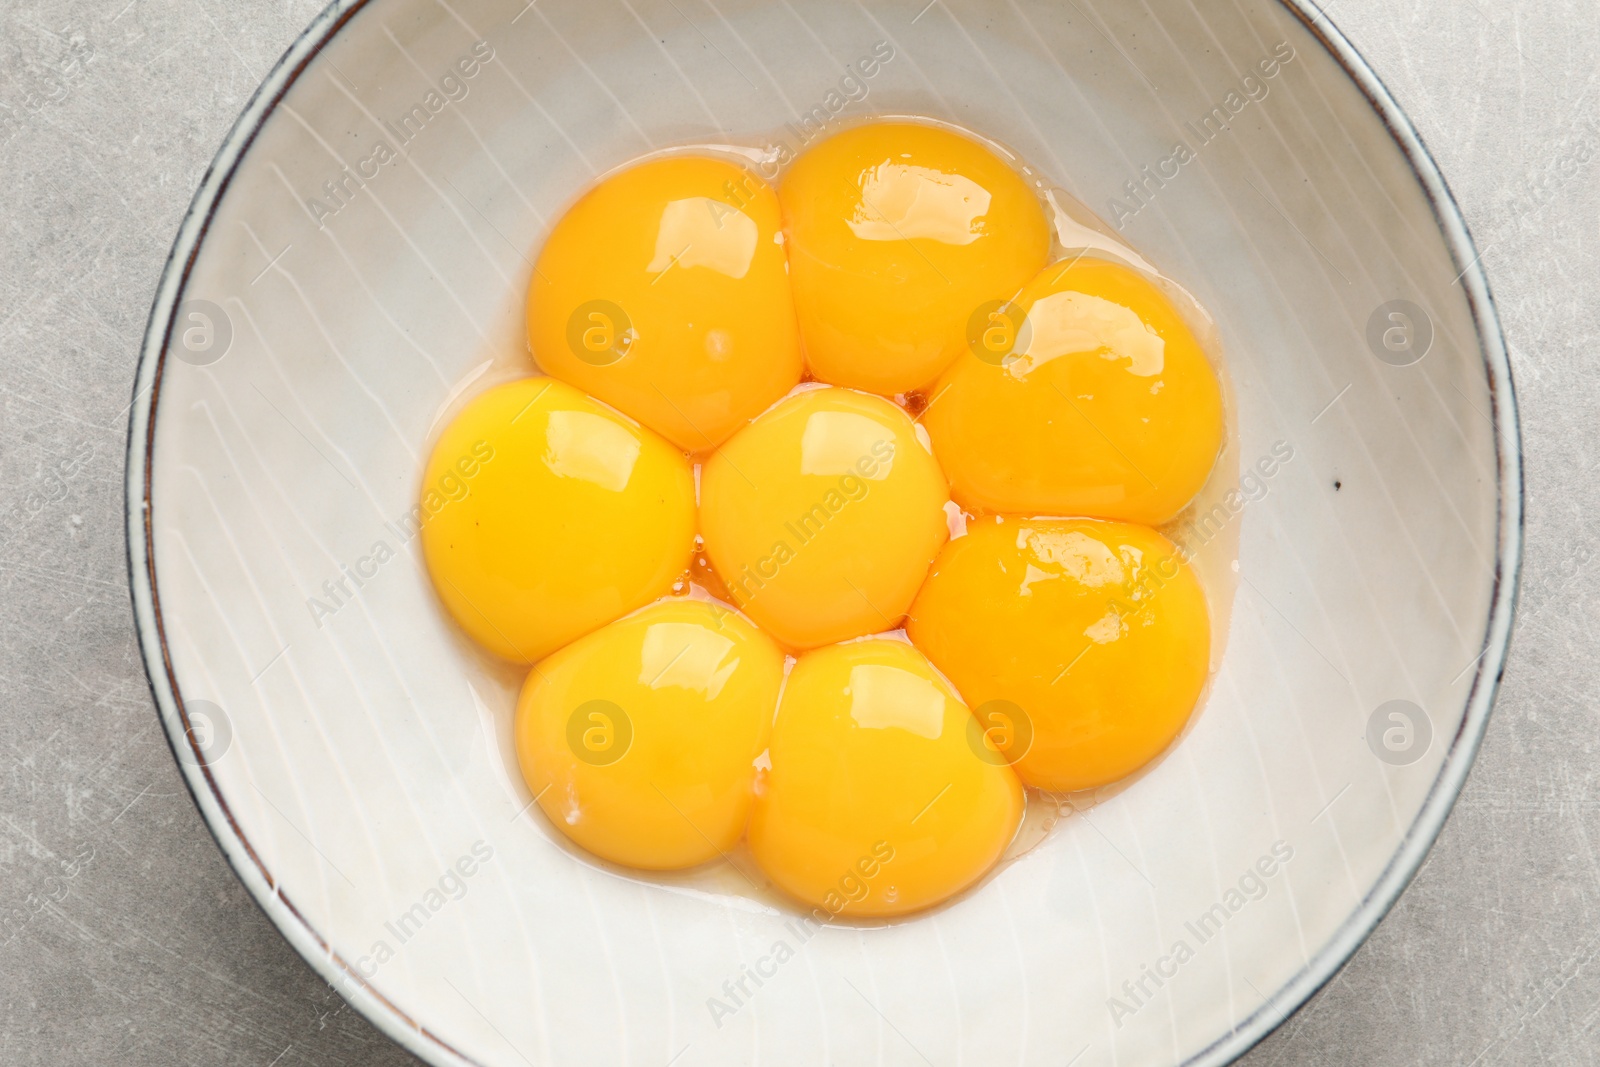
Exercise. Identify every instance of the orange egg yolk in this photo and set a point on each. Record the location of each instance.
(1088, 640)
(898, 233)
(639, 741)
(823, 515)
(1087, 395)
(664, 292)
(878, 801)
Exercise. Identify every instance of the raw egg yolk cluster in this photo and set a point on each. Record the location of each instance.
(828, 526)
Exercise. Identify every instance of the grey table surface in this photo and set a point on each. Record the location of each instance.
(152, 953)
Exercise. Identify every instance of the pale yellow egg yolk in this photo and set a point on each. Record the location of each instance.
(546, 515)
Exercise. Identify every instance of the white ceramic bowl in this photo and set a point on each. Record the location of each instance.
(324, 303)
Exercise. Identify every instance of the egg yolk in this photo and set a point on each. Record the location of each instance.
(1088, 640)
(664, 293)
(898, 234)
(1088, 395)
(639, 741)
(877, 802)
(822, 516)
(545, 515)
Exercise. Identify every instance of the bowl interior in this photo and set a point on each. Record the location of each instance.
(362, 265)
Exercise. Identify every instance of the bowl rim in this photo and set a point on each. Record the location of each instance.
(249, 865)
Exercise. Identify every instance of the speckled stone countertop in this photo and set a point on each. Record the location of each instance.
(152, 954)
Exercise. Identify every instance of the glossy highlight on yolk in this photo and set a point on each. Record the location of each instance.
(897, 233)
(664, 292)
(1093, 397)
(640, 740)
(822, 516)
(876, 803)
(1094, 634)
(548, 515)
